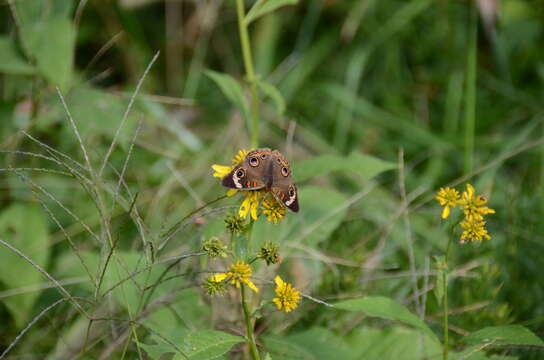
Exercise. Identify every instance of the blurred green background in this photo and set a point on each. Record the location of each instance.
(394, 79)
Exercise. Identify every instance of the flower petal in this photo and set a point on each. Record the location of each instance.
(251, 285)
(219, 277)
(220, 171)
(470, 191)
(244, 208)
(231, 192)
(446, 212)
(254, 206)
(278, 280)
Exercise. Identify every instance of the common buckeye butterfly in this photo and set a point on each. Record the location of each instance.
(265, 169)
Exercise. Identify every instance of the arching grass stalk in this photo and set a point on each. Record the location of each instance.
(250, 73)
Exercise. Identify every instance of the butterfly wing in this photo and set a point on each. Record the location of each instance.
(282, 186)
(249, 175)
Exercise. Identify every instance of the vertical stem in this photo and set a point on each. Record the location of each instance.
(445, 309)
(249, 326)
(470, 88)
(250, 73)
(249, 232)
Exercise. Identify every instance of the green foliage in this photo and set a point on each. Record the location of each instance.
(385, 308)
(25, 228)
(232, 90)
(200, 345)
(11, 62)
(347, 86)
(48, 37)
(364, 165)
(263, 7)
(504, 335)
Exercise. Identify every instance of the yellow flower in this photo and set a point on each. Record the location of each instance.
(472, 205)
(448, 198)
(220, 171)
(474, 231)
(213, 286)
(240, 272)
(250, 203)
(273, 210)
(287, 296)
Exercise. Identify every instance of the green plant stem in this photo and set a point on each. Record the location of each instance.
(250, 73)
(445, 309)
(470, 88)
(249, 326)
(249, 232)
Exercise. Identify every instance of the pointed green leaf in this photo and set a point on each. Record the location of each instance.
(24, 227)
(504, 335)
(274, 94)
(51, 43)
(156, 351)
(365, 165)
(284, 349)
(392, 342)
(232, 90)
(209, 344)
(385, 308)
(10, 61)
(264, 7)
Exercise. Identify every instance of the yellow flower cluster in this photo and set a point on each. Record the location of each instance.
(287, 297)
(473, 210)
(272, 208)
(240, 272)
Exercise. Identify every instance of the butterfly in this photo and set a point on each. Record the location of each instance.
(265, 169)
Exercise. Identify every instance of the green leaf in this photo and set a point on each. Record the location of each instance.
(96, 112)
(232, 90)
(273, 93)
(120, 274)
(209, 344)
(24, 227)
(263, 7)
(320, 214)
(504, 335)
(365, 165)
(196, 345)
(385, 308)
(476, 352)
(10, 61)
(394, 342)
(322, 343)
(51, 43)
(284, 349)
(155, 351)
